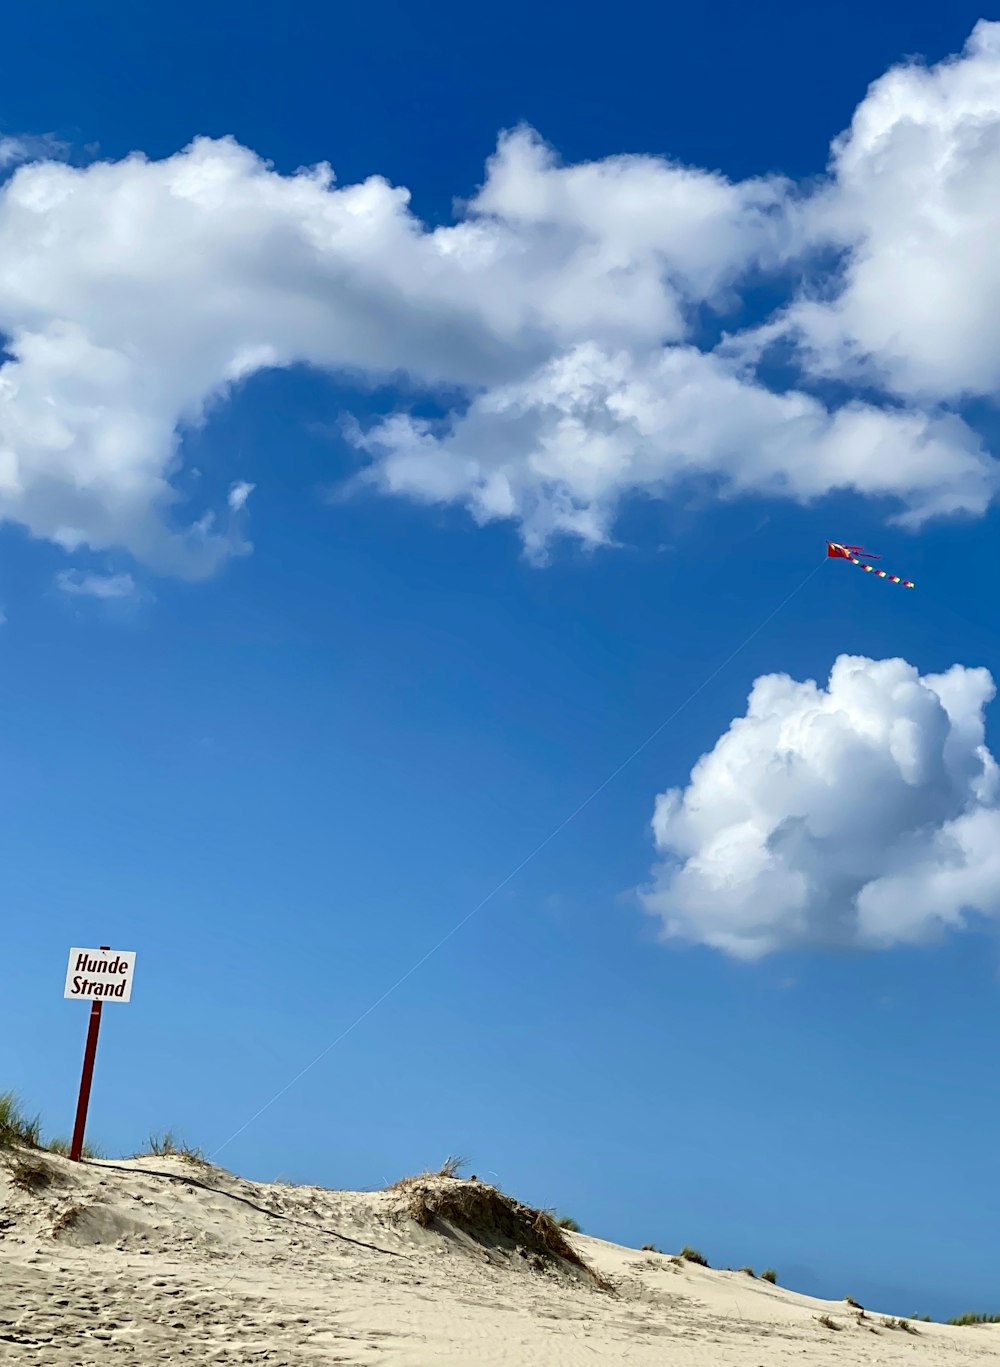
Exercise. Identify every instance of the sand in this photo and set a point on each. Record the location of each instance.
(157, 1260)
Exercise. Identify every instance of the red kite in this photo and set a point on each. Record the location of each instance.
(836, 551)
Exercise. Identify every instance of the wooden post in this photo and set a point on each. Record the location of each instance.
(86, 1078)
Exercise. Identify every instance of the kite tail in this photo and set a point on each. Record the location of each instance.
(882, 574)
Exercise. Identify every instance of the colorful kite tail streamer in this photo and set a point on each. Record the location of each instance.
(883, 574)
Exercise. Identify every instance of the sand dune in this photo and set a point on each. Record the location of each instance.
(157, 1260)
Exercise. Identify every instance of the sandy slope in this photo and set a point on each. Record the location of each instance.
(131, 1264)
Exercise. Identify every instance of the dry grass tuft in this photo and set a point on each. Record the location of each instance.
(17, 1129)
(62, 1146)
(31, 1174)
(67, 1219)
(491, 1218)
(167, 1145)
(452, 1166)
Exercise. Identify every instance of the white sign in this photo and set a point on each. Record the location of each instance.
(100, 975)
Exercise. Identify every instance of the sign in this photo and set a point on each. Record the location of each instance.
(101, 975)
(97, 976)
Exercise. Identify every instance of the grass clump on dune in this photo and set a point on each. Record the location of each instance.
(691, 1255)
(973, 1318)
(31, 1173)
(16, 1129)
(450, 1168)
(62, 1147)
(491, 1218)
(167, 1145)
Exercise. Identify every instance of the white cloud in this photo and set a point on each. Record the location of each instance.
(239, 493)
(915, 202)
(34, 147)
(106, 586)
(557, 318)
(559, 449)
(863, 813)
(134, 292)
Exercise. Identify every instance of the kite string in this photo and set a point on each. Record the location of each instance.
(537, 850)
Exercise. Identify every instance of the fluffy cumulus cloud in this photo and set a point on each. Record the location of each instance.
(557, 318)
(914, 202)
(134, 293)
(558, 450)
(864, 813)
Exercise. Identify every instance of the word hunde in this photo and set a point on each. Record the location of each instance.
(103, 986)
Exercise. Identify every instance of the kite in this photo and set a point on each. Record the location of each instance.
(835, 551)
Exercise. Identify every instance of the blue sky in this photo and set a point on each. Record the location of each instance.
(282, 754)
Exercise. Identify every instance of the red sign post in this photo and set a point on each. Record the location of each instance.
(94, 976)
